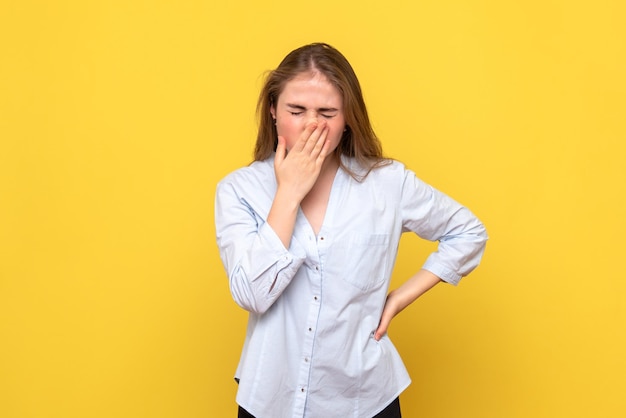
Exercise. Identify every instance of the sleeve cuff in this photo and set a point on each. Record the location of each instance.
(276, 249)
(443, 272)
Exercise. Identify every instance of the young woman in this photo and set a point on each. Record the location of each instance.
(308, 234)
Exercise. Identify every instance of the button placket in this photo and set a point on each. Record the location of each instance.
(314, 268)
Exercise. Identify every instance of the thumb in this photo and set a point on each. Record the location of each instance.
(280, 150)
(382, 326)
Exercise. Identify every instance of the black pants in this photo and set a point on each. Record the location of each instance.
(392, 411)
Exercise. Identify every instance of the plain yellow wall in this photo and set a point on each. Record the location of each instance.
(117, 119)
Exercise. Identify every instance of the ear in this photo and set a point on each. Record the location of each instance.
(273, 112)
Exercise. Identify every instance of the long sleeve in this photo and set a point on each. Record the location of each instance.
(314, 305)
(258, 265)
(436, 217)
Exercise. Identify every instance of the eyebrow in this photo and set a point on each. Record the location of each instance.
(321, 109)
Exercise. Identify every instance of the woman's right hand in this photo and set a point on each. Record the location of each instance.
(297, 170)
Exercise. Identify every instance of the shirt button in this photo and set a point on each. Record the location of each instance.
(310, 329)
(314, 297)
(317, 268)
(322, 238)
(306, 359)
(301, 389)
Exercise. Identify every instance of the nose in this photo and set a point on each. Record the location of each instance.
(315, 117)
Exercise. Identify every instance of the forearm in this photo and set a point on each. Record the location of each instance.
(282, 216)
(259, 267)
(413, 288)
(400, 298)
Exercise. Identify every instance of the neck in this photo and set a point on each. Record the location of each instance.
(330, 165)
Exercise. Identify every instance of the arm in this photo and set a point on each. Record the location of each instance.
(257, 264)
(403, 296)
(296, 173)
(259, 254)
(434, 216)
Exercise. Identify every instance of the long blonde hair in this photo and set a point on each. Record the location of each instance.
(358, 141)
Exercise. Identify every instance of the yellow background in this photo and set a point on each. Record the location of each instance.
(117, 119)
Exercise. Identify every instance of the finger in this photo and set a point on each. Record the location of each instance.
(325, 151)
(306, 134)
(315, 137)
(322, 145)
(379, 333)
(382, 329)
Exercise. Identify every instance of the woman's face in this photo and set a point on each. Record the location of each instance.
(306, 98)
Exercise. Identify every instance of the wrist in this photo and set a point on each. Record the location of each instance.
(287, 200)
(394, 302)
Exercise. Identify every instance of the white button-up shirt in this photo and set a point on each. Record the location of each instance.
(309, 349)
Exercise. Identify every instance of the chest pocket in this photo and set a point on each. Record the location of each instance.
(362, 259)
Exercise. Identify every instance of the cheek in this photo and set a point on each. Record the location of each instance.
(336, 132)
(290, 131)
(335, 139)
(285, 129)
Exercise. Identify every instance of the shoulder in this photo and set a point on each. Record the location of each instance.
(259, 172)
(383, 166)
(386, 179)
(387, 170)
